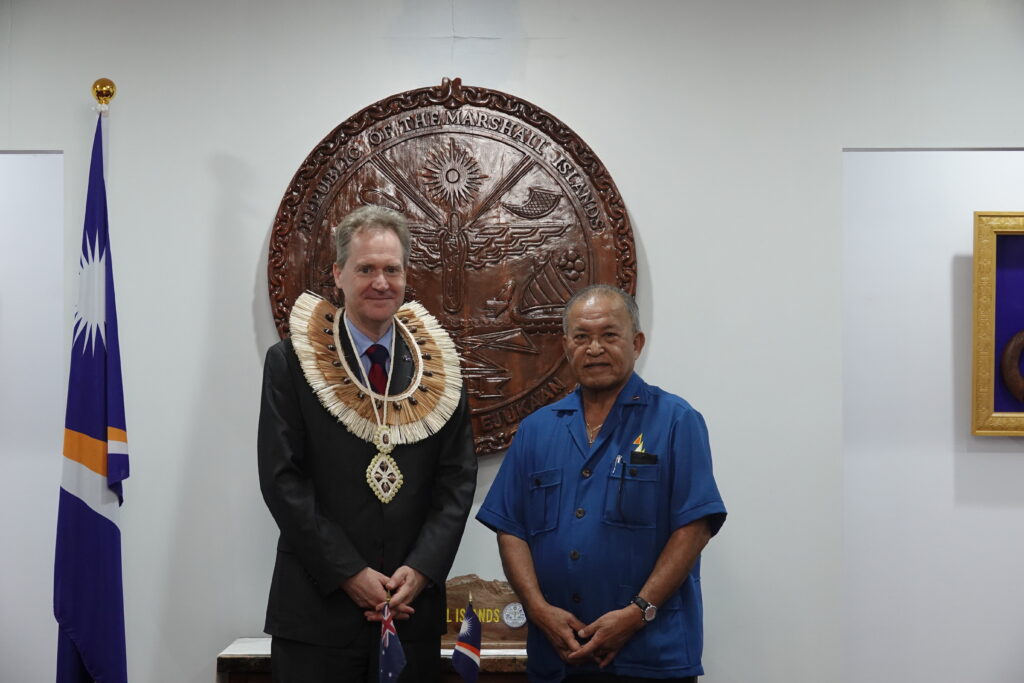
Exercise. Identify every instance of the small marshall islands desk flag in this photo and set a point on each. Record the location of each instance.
(466, 655)
(392, 657)
(87, 591)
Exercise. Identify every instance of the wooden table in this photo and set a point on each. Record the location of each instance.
(247, 660)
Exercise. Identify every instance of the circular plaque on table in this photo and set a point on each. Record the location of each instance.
(513, 615)
(510, 214)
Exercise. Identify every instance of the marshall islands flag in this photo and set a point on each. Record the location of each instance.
(466, 655)
(87, 593)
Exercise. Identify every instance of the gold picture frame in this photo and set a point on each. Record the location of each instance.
(989, 387)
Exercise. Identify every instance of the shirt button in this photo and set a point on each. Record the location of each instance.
(576, 598)
(574, 555)
(580, 512)
(586, 473)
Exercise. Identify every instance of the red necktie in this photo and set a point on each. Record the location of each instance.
(378, 376)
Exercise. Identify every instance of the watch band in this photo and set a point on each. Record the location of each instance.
(647, 610)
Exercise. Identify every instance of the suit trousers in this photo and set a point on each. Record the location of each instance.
(292, 661)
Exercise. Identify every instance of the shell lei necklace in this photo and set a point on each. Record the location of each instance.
(382, 474)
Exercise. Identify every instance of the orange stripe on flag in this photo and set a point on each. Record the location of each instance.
(467, 647)
(115, 434)
(85, 450)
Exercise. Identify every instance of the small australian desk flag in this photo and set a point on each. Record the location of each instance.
(466, 655)
(392, 657)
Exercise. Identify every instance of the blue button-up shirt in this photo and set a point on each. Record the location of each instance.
(597, 518)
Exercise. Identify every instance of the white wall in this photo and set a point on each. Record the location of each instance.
(722, 123)
(932, 514)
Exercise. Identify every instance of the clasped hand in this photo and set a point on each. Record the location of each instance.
(601, 640)
(369, 589)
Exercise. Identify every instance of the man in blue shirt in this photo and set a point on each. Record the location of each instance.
(602, 506)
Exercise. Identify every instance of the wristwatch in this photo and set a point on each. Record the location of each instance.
(647, 610)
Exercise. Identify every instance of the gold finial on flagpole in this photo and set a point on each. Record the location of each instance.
(104, 90)
(471, 597)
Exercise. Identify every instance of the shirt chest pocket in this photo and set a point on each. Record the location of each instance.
(542, 508)
(631, 496)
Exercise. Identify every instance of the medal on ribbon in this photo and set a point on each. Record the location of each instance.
(382, 474)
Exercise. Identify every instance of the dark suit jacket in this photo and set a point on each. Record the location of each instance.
(313, 478)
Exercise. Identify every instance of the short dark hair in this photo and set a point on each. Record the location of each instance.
(370, 217)
(602, 290)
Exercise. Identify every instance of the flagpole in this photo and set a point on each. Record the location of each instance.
(88, 596)
(103, 90)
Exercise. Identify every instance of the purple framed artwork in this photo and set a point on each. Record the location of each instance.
(998, 383)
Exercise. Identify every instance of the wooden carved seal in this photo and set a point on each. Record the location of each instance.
(510, 211)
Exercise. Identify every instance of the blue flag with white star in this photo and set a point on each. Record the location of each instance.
(392, 656)
(466, 655)
(88, 599)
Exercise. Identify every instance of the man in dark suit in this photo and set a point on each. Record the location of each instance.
(366, 463)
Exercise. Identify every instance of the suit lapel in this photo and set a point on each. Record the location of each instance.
(350, 357)
(401, 366)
